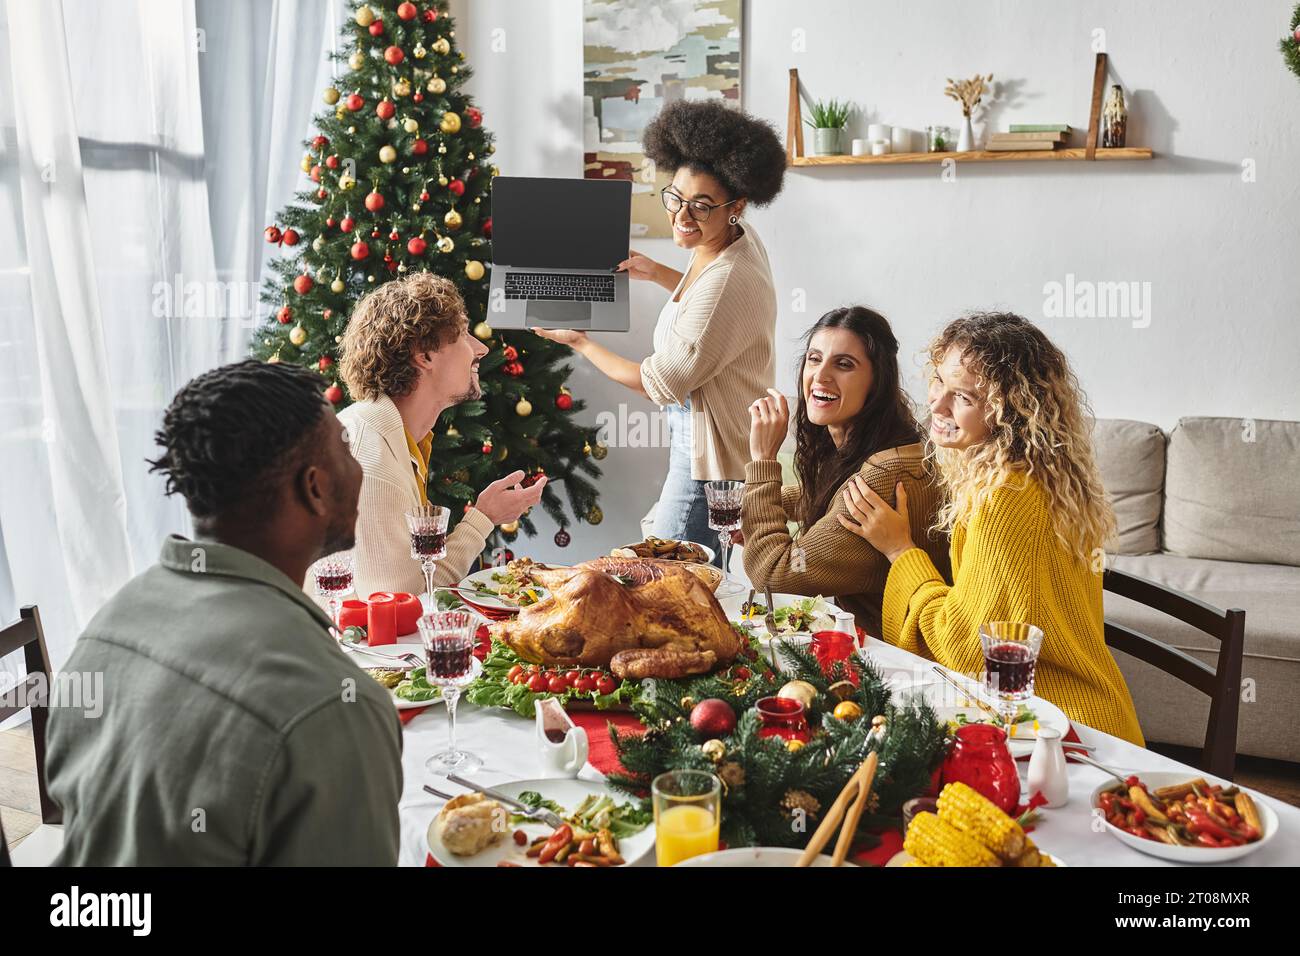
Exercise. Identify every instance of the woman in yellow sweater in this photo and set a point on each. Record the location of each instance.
(1027, 513)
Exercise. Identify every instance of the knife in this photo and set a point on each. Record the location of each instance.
(549, 817)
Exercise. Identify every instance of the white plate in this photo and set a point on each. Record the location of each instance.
(1201, 855)
(568, 793)
(707, 550)
(948, 703)
(733, 609)
(752, 856)
(486, 601)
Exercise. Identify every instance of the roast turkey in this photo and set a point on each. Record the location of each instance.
(665, 611)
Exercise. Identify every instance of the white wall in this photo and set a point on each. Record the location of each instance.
(1207, 89)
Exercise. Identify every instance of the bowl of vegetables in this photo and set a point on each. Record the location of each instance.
(1175, 817)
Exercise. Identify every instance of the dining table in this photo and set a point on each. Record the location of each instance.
(1074, 834)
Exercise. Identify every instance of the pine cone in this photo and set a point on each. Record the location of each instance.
(732, 775)
(800, 800)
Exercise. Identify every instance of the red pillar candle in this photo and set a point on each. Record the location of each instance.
(409, 609)
(383, 620)
(354, 614)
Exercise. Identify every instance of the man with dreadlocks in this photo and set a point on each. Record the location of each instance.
(233, 729)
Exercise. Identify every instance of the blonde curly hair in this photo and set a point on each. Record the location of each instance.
(1041, 426)
(417, 312)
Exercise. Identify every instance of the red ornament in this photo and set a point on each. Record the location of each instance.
(314, 175)
(290, 237)
(456, 187)
(474, 115)
(416, 246)
(511, 353)
(302, 284)
(321, 194)
(417, 97)
(385, 109)
(332, 162)
(325, 362)
(430, 15)
(360, 250)
(394, 55)
(424, 196)
(487, 448)
(320, 142)
(333, 394)
(329, 223)
(393, 236)
(374, 201)
(346, 224)
(285, 315)
(354, 102)
(562, 538)
(272, 234)
(406, 11)
(513, 368)
(377, 28)
(564, 401)
(487, 227)
(374, 233)
(713, 718)
(419, 147)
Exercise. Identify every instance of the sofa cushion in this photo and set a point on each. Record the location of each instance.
(1131, 457)
(1231, 490)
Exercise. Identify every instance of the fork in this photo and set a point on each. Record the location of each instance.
(769, 622)
(411, 660)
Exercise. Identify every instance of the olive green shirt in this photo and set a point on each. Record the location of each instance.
(233, 731)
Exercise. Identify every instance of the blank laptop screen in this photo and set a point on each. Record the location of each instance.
(560, 223)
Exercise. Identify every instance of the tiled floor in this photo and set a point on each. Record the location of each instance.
(20, 810)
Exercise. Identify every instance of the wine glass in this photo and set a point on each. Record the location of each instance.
(1010, 657)
(428, 527)
(333, 575)
(724, 499)
(448, 638)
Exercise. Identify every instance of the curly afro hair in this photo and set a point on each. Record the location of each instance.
(742, 152)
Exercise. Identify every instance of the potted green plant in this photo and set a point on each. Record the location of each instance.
(829, 117)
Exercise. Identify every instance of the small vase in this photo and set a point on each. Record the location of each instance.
(826, 142)
(980, 759)
(966, 140)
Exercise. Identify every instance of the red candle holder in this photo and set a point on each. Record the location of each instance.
(832, 646)
(409, 609)
(783, 717)
(981, 759)
(353, 613)
(382, 625)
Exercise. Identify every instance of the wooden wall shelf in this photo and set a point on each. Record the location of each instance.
(1087, 153)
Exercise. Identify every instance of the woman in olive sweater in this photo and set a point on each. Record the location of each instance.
(852, 419)
(1028, 516)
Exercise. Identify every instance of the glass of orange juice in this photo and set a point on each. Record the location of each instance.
(688, 811)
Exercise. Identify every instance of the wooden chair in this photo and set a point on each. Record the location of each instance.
(1222, 684)
(26, 634)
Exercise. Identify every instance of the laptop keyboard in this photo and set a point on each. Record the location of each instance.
(545, 285)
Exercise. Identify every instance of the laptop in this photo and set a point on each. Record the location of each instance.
(556, 244)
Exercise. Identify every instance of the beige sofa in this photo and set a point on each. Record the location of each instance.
(1212, 510)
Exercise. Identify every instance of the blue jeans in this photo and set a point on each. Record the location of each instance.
(683, 512)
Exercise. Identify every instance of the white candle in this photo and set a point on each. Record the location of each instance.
(901, 140)
(861, 147)
(880, 147)
(877, 131)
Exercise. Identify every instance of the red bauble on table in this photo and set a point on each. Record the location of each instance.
(347, 223)
(285, 315)
(272, 234)
(419, 147)
(290, 237)
(394, 55)
(302, 284)
(385, 109)
(354, 102)
(333, 394)
(564, 401)
(713, 718)
(360, 250)
(456, 187)
(416, 246)
(406, 11)
(374, 201)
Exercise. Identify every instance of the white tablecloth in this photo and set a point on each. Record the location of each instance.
(507, 745)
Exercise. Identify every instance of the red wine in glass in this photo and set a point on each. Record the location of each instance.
(331, 583)
(1011, 669)
(449, 658)
(724, 518)
(429, 544)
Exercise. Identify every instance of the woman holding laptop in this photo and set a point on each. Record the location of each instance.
(713, 343)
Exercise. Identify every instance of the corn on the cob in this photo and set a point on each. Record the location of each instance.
(973, 813)
(936, 843)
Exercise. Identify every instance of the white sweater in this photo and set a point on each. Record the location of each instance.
(390, 488)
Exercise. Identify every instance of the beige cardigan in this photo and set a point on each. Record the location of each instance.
(719, 353)
(382, 554)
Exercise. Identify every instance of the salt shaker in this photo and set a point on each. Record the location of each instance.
(1047, 772)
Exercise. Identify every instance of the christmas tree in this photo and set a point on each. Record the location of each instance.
(400, 179)
(1290, 45)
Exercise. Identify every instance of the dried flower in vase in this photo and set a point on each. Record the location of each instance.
(968, 92)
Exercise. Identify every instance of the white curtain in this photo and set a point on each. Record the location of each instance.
(144, 145)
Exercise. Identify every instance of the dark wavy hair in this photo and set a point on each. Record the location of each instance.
(231, 435)
(740, 151)
(886, 419)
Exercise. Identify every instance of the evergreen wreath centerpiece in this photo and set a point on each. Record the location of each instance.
(1290, 45)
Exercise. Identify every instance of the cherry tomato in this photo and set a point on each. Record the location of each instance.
(571, 677)
(585, 684)
(557, 684)
(537, 684)
(606, 684)
(513, 675)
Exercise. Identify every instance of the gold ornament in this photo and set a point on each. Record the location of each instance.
(445, 244)
(331, 96)
(415, 207)
(510, 527)
(794, 745)
(274, 359)
(340, 112)
(357, 60)
(847, 710)
(474, 270)
(410, 125)
(688, 703)
(365, 16)
(483, 331)
(800, 800)
(346, 182)
(503, 454)
(298, 335)
(402, 87)
(470, 157)
(387, 154)
(452, 432)
(338, 340)
(496, 171)
(442, 149)
(419, 52)
(436, 85)
(443, 180)
(450, 122)
(714, 749)
(305, 165)
(454, 69)
(337, 286)
(842, 690)
(406, 169)
(523, 407)
(801, 691)
(318, 243)
(595, 515)
(491, 148)
(732, 775)
(453, 219)
(441, 46)
(599, 451)
(586, 448)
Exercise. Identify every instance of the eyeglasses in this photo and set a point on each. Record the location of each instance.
(695, 208)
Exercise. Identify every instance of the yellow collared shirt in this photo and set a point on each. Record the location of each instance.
(420, 451)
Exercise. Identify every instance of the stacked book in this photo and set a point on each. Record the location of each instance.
(1036, 137)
